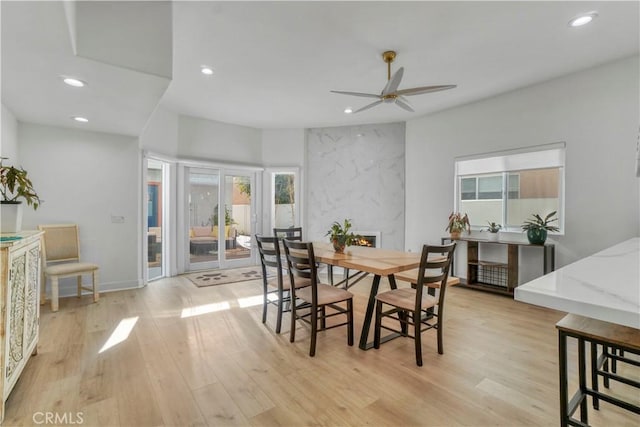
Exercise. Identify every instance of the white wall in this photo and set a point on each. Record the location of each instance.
(9, 141)
(283, 147)
(211, 140)
(594, 111)
(160, 135)
(189, 137)
(357, 172)
(85, 178)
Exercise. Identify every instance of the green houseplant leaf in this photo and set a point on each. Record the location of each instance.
(15, 185)
(537, 223)
(493, 227)
(340, 235)
(458, 223)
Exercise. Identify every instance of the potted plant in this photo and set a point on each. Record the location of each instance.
(228, 221)
(458, 223)
(15, 185)
(493, 230)
(537, 228)
(340, 236)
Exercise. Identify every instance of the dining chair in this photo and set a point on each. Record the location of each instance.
(61, 249)
(317, 298)
(291, 233)
(414, 307)
(271, 260)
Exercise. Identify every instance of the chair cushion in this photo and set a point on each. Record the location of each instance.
(411, 276)
(69, 268)
(300, 282)
(326, 294)
(405, 298)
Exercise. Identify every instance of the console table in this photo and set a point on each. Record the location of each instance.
(497, 276)
(19, 305)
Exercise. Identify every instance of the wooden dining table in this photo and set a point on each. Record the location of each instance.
(376, 261)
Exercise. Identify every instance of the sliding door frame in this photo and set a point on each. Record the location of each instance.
(182, 247)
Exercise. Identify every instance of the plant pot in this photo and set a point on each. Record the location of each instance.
(537, 236)
(455, 235)
(338, 247)
(10, 217)
(492, 237)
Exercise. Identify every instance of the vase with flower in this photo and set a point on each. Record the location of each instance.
(457, 224)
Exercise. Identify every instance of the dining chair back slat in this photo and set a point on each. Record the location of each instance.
(291, 233)
(271, 261)
(414, 308)
(319, 301)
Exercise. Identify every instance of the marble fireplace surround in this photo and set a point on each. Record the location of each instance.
(357, 172)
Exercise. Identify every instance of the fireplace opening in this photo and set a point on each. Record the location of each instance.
(367, 238)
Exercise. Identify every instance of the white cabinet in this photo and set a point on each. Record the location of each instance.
(19, 307)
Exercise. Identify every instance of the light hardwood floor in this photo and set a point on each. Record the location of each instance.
(201, 356)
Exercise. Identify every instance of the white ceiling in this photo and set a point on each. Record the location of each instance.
(275, 62)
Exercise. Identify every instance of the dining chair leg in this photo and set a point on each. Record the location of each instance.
(378, 324)
(402, 319)
(79, 284)
(350, 322)
(323, 315)
(314, 330)
(264, 307)
(417, 326)
(292, 331)
(439, 328)
(96, 294)
(279, 319)
(54, 293)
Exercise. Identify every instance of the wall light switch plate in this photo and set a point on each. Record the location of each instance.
(117, 219)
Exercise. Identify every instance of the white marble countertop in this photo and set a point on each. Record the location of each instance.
(603, 286)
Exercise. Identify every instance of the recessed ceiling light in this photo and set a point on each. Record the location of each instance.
(206, 70)
(80, 119)
(73, 82)
(348, 110)
(583, 19)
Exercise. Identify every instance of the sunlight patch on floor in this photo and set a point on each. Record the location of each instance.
(245, 302)
(120, 334)
(204, 309)
(250, 301)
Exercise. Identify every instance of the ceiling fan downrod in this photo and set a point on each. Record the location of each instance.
(388, 57)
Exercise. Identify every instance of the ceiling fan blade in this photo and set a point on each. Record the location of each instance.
(366, 107)
(423, 89)
(403, 103)
(365, 95)
(394, 82)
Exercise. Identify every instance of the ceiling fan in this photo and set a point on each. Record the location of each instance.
(390, 93)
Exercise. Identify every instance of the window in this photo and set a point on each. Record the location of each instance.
(285, 195)
(508, 188)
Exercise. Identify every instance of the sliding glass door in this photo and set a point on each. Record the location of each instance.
(203, 213)
(156, 178)
(220, 217)
(239, 216)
